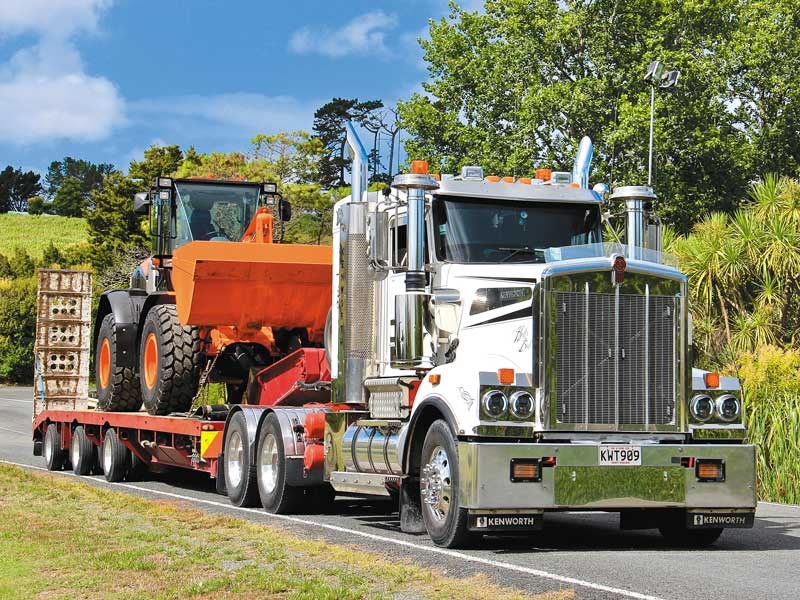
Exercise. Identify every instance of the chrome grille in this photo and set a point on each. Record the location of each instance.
(615, 358)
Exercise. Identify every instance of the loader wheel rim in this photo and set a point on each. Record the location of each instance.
(105, 363)
(151, 360)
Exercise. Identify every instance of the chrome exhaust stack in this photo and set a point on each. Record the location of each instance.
(411, 318)
(583, 162)
(643, 230)
(356, 358)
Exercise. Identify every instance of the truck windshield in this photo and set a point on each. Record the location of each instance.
(211, 211)
(478, 231)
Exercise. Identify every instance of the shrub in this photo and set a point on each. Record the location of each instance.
(22, 265)
(17, 329)
(772, 414)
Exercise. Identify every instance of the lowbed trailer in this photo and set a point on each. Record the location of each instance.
(486, 358)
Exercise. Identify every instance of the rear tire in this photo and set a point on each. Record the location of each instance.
(170, 360)
(118, 388)
(137, 469)
(276, 496)
(240, 476)
(116, 457)
(444, 518)
(82, 452)
(54, 455)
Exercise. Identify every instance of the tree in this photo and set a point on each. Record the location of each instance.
(36, 205)
(516, 88)
(158, 161)
(112, 223)
(70, 200)
(16, 187)
(89, 175)
(329, 128)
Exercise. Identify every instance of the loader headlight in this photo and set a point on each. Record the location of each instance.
(702, 407)
(728, 408)
(522, 404)
(494, 403)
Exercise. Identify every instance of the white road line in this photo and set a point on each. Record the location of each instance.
(18, 400)
(14, 431)
(431, 549)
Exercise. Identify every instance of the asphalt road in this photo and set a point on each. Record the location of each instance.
(586, 552)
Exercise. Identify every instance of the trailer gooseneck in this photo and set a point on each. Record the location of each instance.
(469, 346)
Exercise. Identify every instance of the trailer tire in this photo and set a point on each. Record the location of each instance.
(137, 469)
(445, 520)
(240, 475)
(170, 361)
(54, 455)
(276, 495)
(82, 452)
(118, 388)
(115, 457)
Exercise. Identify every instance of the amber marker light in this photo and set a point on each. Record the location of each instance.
(711, 380)
(508, 180)
(543, 174)
(710, 470)
(492, 178)
(506, 376)
(419, 167)
(434, 378)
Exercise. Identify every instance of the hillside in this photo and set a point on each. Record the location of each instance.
(35, 232)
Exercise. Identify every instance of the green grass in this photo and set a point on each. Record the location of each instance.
(64, 539)
(35, 232)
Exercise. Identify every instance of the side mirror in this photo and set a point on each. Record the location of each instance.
(285, 208)
(141, 203)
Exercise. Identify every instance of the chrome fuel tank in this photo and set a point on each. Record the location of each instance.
(370, 449)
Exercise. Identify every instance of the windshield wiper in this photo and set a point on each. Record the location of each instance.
(515, 251)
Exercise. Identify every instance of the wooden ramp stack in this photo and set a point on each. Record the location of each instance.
(63, 340)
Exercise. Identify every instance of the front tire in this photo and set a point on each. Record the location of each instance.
(276, 496)
(170, 358)
(681, 537)
(116, 457)
(444, 518)
(54, 454)
(118, 388)
(82, 452)
(240, 477)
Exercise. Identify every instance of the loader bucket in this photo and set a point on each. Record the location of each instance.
(251, 286)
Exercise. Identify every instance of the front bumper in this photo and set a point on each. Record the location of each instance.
(578, 482)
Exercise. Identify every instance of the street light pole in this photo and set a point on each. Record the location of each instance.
(650, 153)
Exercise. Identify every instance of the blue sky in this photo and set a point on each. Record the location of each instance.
(104, 79)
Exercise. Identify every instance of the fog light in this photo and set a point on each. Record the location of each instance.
(523, 469)
(710, 470)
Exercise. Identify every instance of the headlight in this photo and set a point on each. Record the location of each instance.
(495, 403)
(522, 404)
(728, 408)
(702, 407)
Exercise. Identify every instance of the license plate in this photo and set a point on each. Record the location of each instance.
(619, 456)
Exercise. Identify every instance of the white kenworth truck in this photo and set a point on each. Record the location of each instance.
(488, 358)
(512, 363)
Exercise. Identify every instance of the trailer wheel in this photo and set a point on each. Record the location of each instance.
(240, 476)
(116, 457)
(170, 362)
(54, 454)
(82, 452)
(118, 387)
(276, 496)
(444, 518)
(137, 469)
(678, 535)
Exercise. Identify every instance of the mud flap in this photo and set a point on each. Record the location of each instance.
(410, 507)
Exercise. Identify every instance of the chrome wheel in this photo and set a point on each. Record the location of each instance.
(268, 463)
(107, 454)
(234, 458)
(437, 484)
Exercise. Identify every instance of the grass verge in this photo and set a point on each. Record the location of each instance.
(35, 232)
(63, 539)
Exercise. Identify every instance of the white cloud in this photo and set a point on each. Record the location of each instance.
(364, 34)
(45, 93)
(225, 114)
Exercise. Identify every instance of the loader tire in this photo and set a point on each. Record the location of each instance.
(118, 388)
(170, 362)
